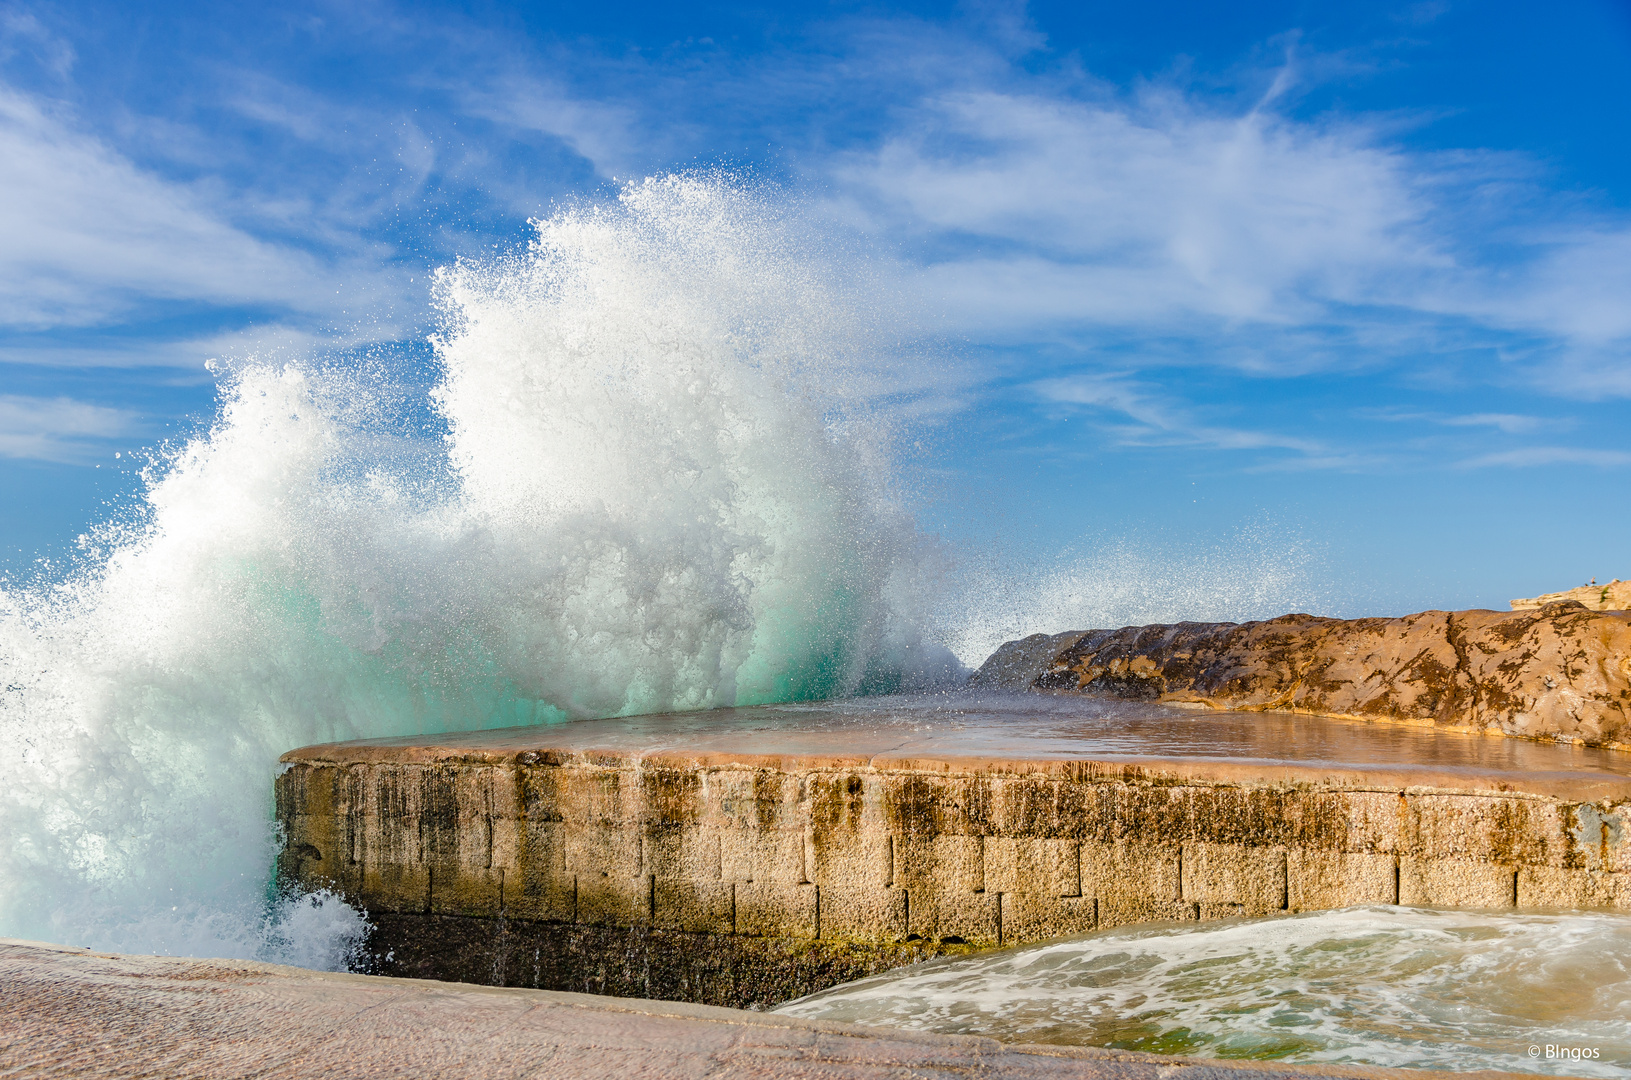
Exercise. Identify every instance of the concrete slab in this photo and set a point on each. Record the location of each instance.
(71, 1013)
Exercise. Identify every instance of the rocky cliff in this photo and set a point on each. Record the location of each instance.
(1615, 596)
(1559, 672)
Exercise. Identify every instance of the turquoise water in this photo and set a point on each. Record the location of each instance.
(654, 483)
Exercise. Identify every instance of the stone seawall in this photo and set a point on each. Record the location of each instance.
(532, 858)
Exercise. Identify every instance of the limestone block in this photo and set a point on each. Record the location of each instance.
(841, 806)
(1131, 872)
(1376, 821)
(859, 911)
(945, 913)
(592, 794)
(391, 831)
(1322, 880)
(1251, 817)
(602, 850)
(1456, 883)
(505, 841)
(1030, 807)
(1485, 829)
(464, 890)
(392, 886)
(698, 906)
(1252, 877)
(614, 901)
(536, 884)
(1139, 813)
(757, 799)
(539, 847)
(1555, 887)
(779, 909)
(681, 852)
(504, 793)
(315, 854)
(540, 789)
(545, 897)
(868, 860)
(1618, 889)
(1361, 821)
(1042, 867)
(1128, 910)
(941, 864)
(439, 814)
(1028, 916)
(670, 796)
(768, 855)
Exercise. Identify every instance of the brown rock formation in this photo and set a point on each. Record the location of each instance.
(1559, 672)
(1615, 596)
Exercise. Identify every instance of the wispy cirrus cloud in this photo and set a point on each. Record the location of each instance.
(89, 235)
(1249, 238)
(60, 429)
(1141, 416)
(1506, 423)
(1537, 456)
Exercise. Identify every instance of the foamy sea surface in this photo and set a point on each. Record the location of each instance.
(1405, 987)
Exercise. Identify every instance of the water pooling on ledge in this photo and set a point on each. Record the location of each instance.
(753, 856)
(1029, 726)
(1387, 986)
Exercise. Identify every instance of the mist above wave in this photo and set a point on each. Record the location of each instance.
(660, 487)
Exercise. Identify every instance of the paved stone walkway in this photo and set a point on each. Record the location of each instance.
(71, 1013)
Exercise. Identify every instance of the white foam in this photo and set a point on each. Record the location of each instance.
(660, 488)
(1385, 986)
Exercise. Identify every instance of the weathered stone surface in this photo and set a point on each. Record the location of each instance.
(89, 1016)
(1559, 672)
(1615, 596)
(557, 858)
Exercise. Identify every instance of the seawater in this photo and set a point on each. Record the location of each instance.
(1404, 987)
(656, 466)
(654, 482)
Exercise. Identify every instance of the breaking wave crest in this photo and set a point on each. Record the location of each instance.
(656, 483)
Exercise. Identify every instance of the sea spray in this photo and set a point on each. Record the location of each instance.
(1260, 571)
(660, 487)
(658, 477)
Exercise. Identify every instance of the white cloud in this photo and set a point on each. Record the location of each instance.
(1156, 421)
(58, 429)
(1128, 213)
(88, 235)
(600, 132)
(268, 341)
(1042, 213)
(1506, 423)
(1550, 455)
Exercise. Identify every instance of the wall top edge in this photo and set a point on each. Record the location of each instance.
(1562, 785)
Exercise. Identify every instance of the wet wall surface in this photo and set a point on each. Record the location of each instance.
(967, 728)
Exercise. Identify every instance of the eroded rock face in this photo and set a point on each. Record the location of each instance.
(1559, 672)
(1615, 596)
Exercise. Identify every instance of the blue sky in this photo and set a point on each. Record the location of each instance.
(1352, 279)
